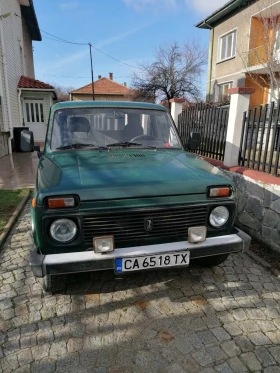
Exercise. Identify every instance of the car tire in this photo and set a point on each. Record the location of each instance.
(54, 283)
(211, 261)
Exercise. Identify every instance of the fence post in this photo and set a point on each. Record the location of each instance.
(239, 102)
(176, 108)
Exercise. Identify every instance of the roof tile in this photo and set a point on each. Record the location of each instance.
(103, 86)
(26, 82)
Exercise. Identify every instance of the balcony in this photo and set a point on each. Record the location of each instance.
(257, 60)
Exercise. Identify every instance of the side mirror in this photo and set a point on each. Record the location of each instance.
(194, 141)
(27, 141)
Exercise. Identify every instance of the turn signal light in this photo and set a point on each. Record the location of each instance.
(33, 203)
(219, 192)
(56, 203)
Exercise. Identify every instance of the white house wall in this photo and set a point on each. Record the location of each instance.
(13, 39)
(27, 52)
(4, 107)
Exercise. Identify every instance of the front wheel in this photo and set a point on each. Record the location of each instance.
(54, 283)
(211, 261)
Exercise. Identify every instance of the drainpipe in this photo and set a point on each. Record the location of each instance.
(211, 60)
(7, 87)
(19, 106)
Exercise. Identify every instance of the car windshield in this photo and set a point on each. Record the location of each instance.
(78, 128)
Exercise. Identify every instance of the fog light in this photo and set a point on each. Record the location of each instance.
(197, 234)
(103, 244)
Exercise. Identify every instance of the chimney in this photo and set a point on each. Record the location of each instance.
(111, 76)
(99, 76)
(124, 84)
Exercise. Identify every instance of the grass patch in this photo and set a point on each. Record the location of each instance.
(9, 200)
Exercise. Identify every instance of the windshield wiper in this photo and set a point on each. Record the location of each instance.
(127, 144)
(77, 146)
(124, 143)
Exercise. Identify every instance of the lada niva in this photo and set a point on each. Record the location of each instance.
(116, 190)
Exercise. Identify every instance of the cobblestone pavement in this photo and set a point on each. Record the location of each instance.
(224, 319)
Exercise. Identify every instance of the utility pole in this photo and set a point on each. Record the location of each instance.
(92, 83)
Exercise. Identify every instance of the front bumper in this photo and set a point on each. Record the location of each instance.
(89, 261)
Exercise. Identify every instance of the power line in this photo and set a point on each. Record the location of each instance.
(63, 40)
(79, 77)
(58, 39)
(99, 50)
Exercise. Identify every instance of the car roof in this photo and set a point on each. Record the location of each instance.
(120, 104)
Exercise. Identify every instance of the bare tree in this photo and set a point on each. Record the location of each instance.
(62, 92)
(264, 50)
(175, 73)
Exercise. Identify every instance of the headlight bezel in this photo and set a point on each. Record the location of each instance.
(223, 225)
(65, 220)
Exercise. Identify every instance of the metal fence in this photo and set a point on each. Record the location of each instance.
(211, 123)
(260, 139)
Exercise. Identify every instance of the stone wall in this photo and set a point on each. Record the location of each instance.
(258, 209)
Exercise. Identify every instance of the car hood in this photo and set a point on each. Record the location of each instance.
(125, 173)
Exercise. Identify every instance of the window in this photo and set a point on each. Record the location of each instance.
(222, 94)
(227, 44)
(151, 128)
(34, 111)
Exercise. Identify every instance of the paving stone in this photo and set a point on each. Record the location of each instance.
(44, 366)
(249, 326)
(230, 348)
(66, 362)
(74, 344)
(216, 352)
(220, 334)
(207, 337)
(58, 348)
(233, 329)
(264, 357)
(24, 357)
(272, 370)
(236, 365)
(275, 352)
(251, 361)
(266, 326)
(203, 358)
(40, 352)
(11, 347)
(244, 343)
(259, 339)
(224, 368)
(274, 337)
(223, 319)
(9, 363)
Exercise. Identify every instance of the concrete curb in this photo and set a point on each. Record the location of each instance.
(13, 218)
(263, 263)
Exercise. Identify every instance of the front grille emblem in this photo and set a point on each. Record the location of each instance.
(148, 224)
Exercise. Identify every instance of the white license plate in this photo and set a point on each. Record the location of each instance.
(152, 261)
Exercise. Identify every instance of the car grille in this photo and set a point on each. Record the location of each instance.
(169, 223)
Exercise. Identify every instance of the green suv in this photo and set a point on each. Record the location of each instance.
(116, 190)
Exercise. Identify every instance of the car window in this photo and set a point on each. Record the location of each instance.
(103, 126)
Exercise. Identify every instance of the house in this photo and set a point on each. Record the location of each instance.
(24, 101)
(244, 49)
(105, 89)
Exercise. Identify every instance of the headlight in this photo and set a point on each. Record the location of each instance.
(63, 230)
(219, 216)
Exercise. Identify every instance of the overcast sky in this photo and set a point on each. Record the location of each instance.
(128, 30)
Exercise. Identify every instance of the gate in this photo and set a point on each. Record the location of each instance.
(260, 139)
(211, 122)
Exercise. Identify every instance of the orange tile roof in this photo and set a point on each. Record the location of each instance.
(26, 82)
(103, 86)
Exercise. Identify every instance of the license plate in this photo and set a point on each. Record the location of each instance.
(152, 261)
